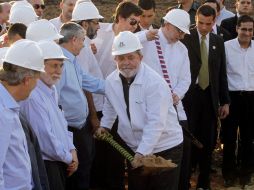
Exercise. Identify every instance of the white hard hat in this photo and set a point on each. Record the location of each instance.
(85, 11)
(20, 4)
(22, 14)
(179, 18)
(125, 42)
(42, 30)
(51, 50)
(25, 53)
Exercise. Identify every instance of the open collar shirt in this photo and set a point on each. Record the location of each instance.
(70, 90)
(240, 67)
(15, 165)
(48, 122)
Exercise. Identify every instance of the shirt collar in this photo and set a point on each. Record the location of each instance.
(109, 27)
(68, 54)
(45, 88)
(238, 44)
(162, 37)
(199, 36)
(8, 100)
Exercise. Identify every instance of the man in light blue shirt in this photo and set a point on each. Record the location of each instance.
(74, 81)
(48, 122)
(22, 65)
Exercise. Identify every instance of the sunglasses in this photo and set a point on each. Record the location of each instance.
(37, 6)
(133, 22)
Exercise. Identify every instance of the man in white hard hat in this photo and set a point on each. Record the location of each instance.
(67, 7)
(42, 30)
(87, 15)
(74, 81)
(169, 58)
(147, 119)
(22, 12)
(22, 65)
(47, 120)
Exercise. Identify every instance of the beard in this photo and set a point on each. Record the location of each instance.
(128, 73)
(91, 33)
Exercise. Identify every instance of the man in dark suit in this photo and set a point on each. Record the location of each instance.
(207, 97)
(39, 174)
(216, 28)
(243, 7)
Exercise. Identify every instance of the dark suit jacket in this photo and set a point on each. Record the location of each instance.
(217, 67)
(39, 174)
(230, 25)
(223, 33)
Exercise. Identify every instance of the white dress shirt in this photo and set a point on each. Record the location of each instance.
(89, 63)
(57, 23)
(178, 66)
(224, 13)
(153, 126)
(47, 120)
(240, 67)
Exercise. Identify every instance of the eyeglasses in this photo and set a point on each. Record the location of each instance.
(37, 6)
(246, 29)
(133, 21)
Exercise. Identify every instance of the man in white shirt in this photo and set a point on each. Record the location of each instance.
(147, 119)
(127, 17)
(67, 7)
(224, 13)
(175, 55)
(240, 69)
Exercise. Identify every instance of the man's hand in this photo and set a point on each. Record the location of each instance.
(93, 48)
(152, 34)
(100, 131)
(137, 160)
(223, 111)
(176, 99)
(73, 166)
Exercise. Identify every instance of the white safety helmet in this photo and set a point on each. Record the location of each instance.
(25, 53)
(179, 18)
(42, 30)
(85, 10)
(22, 14)
(20, 4)
(51, 50)
(125, 42)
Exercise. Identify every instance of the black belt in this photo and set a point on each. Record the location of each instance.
(242, 93)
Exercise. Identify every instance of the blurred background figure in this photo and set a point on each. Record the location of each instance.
(38, 6)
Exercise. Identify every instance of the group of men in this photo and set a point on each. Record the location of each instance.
(65, 81)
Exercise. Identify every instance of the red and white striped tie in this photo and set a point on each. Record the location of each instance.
(163, 64)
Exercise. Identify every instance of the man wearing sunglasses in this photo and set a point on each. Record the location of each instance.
(38, 6)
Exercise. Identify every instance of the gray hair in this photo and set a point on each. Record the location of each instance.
(14, 75)
(70, 30)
